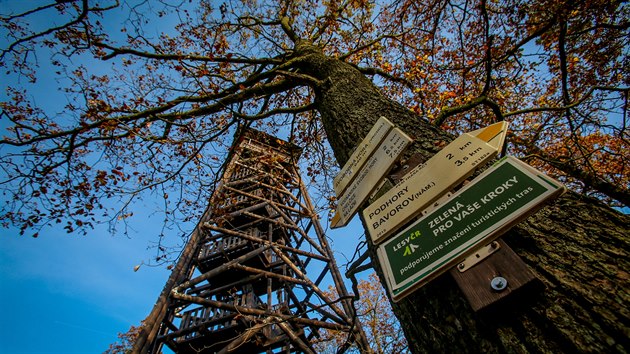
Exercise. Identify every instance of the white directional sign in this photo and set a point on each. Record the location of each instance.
(478, 213)
(364, 150)
(426, 183)
(368, 177)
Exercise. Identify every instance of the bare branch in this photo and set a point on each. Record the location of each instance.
(80, 17)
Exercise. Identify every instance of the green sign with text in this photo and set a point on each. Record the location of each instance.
(483, 209)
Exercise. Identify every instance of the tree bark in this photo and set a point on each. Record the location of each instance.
(577, 247)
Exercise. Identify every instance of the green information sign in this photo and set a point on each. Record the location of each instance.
(479, 212)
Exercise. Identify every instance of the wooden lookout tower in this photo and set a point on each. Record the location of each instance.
(251, 278)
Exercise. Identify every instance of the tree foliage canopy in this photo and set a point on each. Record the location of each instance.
(149, 93)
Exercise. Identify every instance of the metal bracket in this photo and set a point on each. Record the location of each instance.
(478, 256)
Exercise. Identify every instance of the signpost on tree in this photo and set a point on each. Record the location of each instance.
(426, 183)
(478, 213)
(367, 166)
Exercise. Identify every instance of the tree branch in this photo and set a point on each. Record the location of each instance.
(82, 15)
(285, 22)
(191, 57)
(570, 105)
(612, 190)
(283, 110)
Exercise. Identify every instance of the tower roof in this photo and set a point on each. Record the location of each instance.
(245, 133)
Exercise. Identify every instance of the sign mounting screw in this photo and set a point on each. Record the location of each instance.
(498, 283)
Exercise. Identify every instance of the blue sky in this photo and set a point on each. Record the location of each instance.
(65, 293)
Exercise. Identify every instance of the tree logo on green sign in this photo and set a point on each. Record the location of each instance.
(411, 248)
(407, 245)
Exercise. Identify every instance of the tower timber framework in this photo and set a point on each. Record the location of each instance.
(250, 278)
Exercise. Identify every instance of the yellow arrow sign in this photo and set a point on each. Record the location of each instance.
(494, 135)
(426, 183)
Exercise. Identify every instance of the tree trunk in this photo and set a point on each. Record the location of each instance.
(577, 247)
